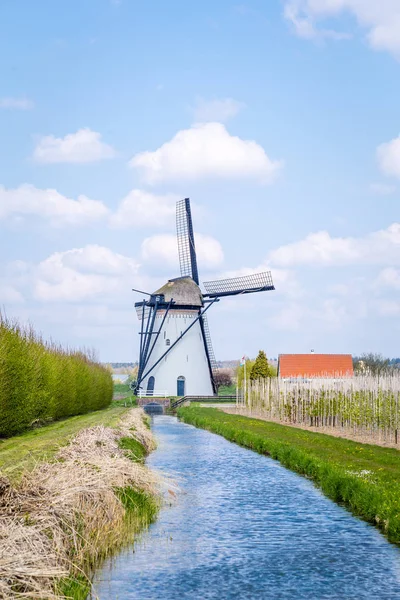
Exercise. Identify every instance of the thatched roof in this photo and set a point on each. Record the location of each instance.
(182, 290)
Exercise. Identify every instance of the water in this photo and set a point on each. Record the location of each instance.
(119, 377)
(245, 527)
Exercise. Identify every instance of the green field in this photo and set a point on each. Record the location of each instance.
(227, 390)
(122, 388)
(22, 452)
(364, 477)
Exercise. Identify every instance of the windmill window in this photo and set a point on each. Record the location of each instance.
(168, 342)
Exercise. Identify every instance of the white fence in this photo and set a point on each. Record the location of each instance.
(150, 394)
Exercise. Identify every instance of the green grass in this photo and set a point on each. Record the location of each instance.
(125, 400)
(122, 388)
(227, 390)
(364, 477)
(133, 449)
(21, 453)
(77, 588)
(141, 510)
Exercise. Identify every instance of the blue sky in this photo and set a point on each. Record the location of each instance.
(280, 120)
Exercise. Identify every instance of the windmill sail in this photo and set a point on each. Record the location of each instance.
(186, 247)
(210, 348)
(176, 356)
(212, 363)
(248, 284)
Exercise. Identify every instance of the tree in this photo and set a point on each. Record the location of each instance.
(240, 372)
(261, 368)
(371, 364)
(223, 377)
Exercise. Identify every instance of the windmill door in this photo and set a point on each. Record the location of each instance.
(150, 386)
(180, 386)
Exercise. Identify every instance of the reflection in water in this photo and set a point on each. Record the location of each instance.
(245, 527)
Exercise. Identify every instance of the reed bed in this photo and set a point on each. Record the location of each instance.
(40, 381)
(364, 405)
(65, 516)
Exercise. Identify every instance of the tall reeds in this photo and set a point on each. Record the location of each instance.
(64, 517)
(365, 405)
(40, 381)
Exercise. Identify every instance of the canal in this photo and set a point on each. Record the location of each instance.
(242, 526)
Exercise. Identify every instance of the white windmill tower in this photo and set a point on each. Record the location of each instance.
(176, 355)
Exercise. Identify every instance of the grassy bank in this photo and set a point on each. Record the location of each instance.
(365, 478)
(64, 517)
(22, 452)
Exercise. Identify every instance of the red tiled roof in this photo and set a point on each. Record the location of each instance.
(315, 365)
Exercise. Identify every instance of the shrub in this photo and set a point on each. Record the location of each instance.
(260, 368)
(41, 381)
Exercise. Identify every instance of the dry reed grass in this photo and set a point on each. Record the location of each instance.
(66, 515)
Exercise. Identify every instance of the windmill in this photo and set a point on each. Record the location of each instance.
(176, 355)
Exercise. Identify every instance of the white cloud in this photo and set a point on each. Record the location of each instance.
(88, 273)
(382, 189)
(216, 110)
(388, 155)
(305, 26)
(288, 318)
(84, 146)
(321, 249)
(162, 250)
(381, 19)
(339, 289)
(205, 150)
(142, 209)
(389, 278)
(388, 308)
(9, 294)
(28, 200)
(333, 313)
(16, 103)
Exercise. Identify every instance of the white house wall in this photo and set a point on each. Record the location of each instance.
(187, 359)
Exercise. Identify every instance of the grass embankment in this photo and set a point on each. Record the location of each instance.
(365, 478)
(21, 453)
(64, 517)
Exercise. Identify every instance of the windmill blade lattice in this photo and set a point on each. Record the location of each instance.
(186, 247)
(247, 284)
(210, 348)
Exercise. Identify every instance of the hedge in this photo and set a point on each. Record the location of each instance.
(41, 381)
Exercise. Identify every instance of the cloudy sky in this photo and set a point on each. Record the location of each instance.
(280, 119)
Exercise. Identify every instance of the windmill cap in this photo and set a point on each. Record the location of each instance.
(182, 290)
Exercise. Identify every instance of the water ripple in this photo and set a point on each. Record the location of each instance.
(245, 527)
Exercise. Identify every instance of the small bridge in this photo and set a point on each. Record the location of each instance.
(162, 401)
(211, 399)
(175, 402)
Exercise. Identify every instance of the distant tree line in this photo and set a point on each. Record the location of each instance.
(375, 364)
(120, 365)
